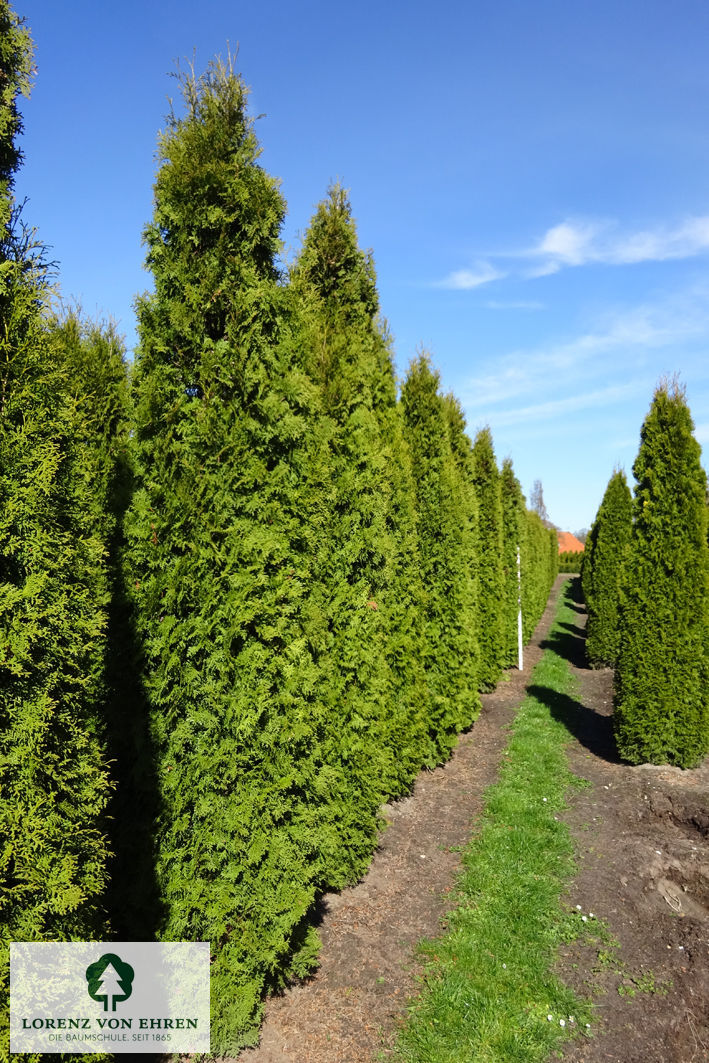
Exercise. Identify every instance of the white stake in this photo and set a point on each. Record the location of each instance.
(520, 662)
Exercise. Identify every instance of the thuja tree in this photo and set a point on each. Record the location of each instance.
(369, 584)
(662, 671)
(539, 568)
(55, 431)
(93, 354)
(16, 71)
(514, 546)
(446, 552)
(571, 560)
(462, 450)
(491, 607)
(221, 535)
(609, 539)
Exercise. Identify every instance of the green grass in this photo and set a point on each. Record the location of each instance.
(489, 986)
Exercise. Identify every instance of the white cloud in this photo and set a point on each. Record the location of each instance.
(513, 304)
(587, 241)
(568, 242)
(621, 343)
(585, 400)
(583, 242)
(543, 271)
(466, 279)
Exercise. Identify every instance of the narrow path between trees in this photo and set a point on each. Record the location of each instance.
(643, 842)
(348, 1012)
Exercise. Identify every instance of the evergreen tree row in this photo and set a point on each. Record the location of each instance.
(646, 581)
(61, 403)
(242, 605)
(603, 570)
(570, 560)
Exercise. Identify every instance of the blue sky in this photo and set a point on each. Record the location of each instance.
(532, 180)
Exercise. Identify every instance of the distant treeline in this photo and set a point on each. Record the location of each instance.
(247, 590)
(570, 560)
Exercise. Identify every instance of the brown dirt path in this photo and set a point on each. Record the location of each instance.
(350, 1008)
(643, 838)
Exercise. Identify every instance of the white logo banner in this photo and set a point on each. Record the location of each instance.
(117, 996)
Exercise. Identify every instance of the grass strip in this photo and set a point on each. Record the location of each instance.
(490, 994)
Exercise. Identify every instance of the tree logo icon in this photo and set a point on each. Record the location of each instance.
(110, 980)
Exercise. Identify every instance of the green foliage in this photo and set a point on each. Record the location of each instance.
(604, 571)
(56, 439)
(462, 450)
(571, 560)
(285, 626)
(369, 587)
(493, 649)
(540, 562)
(447, 557)
(514, 538)
(60, 413)
(219, 561)
(662, 669)
(15, 75)
(334, 268)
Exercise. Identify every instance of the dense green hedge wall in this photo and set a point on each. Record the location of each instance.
(240, 605)
(222, 538)
(514, 537)
(662, 669)
(446, 538)
(61, 405)
(604, 571)
(540, 563)
(54, 592)
(462, 450)
(488, 491)
(571, 560)
(369, 564)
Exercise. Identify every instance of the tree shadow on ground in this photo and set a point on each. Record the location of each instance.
(574, 594)
(590, 728)
(569, 642)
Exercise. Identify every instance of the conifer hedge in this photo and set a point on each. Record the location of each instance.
(219, 561)
(514, 538)
(54, 590)
(604, 571)
(58, 426)
(447, 558)
(286, 625)
(491, 545)
(540, 563)
(462, 450)
(661, 710)
(368, 565)
(571, 560)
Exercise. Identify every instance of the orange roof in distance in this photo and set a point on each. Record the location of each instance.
(569, 542)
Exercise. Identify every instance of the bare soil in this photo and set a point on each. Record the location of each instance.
(643, 837)
(643, 840)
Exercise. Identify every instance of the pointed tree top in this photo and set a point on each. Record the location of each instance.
(332, 262)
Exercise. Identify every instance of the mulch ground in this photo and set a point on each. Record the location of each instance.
(643, 838)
